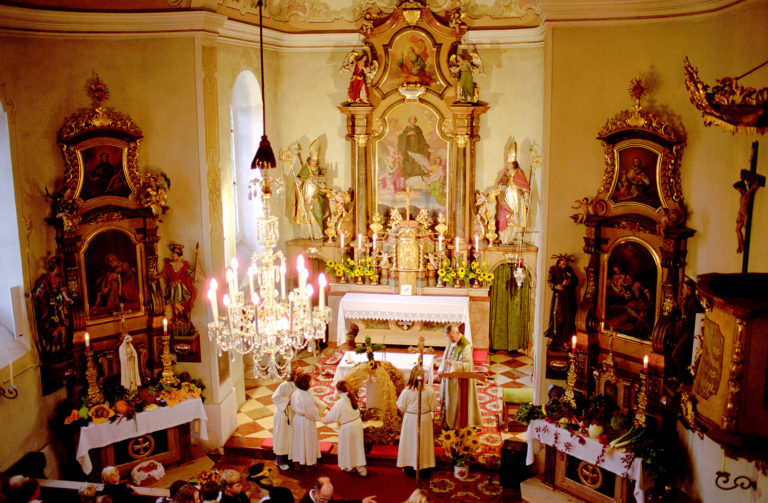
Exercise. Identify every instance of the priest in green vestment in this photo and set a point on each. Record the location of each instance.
(457, 358)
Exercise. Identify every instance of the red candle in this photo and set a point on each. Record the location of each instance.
(165, 326)
(573, 343)
(87, 341)
(645, 364)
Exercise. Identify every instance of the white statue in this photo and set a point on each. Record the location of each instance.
(130, 378)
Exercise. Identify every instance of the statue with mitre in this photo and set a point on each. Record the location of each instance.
(310, 187)
(512, 214)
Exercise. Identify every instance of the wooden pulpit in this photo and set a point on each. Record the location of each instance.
(464, 380)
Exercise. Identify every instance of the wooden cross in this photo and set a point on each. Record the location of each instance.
(407, 193)
(754, 180)
(421, 351)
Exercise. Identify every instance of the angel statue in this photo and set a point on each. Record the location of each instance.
(464, 64)
(512, 215)
(309, 185)
(486, 212)
(339, 204)
(363, 67)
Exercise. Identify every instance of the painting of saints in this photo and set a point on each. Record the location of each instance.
(111, 274)
(411, 60)
(636, 181)
(630, 292)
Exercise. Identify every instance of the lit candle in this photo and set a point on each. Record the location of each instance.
(165, 326)
(359, 240)
(456, 246)
(573, 343)
(234, 265)
(341, 240)
(214, 306)
(230, 283)
(374, 242)
(645, 364)
(440, 243)
(282, 279)
(87, 341)
(227, 303)
(251, 272)
(477, 243)
(322, 283)
(310, 290)
(301, 270)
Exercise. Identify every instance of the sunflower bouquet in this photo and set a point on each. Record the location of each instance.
(464, 273)
(351, 269)
(460, 446)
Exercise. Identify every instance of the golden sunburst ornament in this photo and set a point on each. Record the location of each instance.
(638, 88)
(97, 90)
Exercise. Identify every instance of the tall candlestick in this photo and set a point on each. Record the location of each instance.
(573, 343)
(87, 341)
(214, 304)
(477, 244)
(645, 364)
(165, 326)
(322, 283)
(282, 279)
(374, 242)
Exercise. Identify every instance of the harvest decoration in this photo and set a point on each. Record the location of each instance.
(448, 274)
(350, 269)
(460, 446)
(368, 348)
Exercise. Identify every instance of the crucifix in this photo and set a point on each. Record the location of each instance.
(407, 193)
(748, 184)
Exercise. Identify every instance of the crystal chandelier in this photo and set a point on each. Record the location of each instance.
(271, 328)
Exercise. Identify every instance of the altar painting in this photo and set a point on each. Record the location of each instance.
(636, 177)
(103, 172)
(411, 158)
(112, 275)
(631, 278)
(411, 59)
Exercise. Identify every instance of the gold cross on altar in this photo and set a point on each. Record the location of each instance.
(407, 193)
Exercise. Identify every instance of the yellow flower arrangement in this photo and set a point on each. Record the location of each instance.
(350, 269)
(463, 273)
(460, 446)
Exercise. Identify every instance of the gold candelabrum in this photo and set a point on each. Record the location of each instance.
(571, 382)
(642, 401)
(168, 377)
(95, 396)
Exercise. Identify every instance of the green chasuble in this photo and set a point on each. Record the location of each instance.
(510, 310)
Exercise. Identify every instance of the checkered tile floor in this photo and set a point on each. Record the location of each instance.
(254, 419)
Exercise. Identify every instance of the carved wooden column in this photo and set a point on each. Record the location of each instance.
(466, 125)
(359, 132)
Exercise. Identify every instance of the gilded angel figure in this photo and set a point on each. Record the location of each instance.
(464, 64)
(363, 67)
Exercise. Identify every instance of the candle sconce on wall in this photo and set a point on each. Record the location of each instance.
(10, 392)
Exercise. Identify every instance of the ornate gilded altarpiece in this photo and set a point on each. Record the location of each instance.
(105, 214)
(636, 240)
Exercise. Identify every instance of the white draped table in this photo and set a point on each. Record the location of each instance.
(94, 436)
(377, 306)
(404, 362)
(586, 449)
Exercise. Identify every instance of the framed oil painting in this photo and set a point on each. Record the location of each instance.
(112, 275)
(631, 279)
(103, 168)
(412, 59)
(636, 175)
(411, 161)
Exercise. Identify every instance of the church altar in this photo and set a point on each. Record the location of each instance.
(403, 362)
(95, 436)
(593, 455)
(403, 308)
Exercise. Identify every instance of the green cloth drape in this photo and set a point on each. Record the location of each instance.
(510, 310)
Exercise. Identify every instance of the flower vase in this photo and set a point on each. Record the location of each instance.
(343, 279)
(460, 472)
(360, 280)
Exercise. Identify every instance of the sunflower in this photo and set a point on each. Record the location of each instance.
(441, 272)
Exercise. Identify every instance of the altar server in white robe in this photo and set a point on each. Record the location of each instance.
(281, 434)
(457, 358)
(347, 413)
(408, 403)
(305, 442)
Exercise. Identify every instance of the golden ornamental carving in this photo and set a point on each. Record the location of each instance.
(735, 378)
(361, 140)
(377, 127)
(668, 301)
(639, 119)
(590, 475)
(141, 447)
(94, 118)
(461, 140)
(727, 104)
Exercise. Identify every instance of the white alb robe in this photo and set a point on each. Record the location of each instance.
(408, 403)
(351, 447)
(449, 388)
(281, 434)
(305, 443)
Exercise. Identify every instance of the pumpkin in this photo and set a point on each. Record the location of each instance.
(121, 407)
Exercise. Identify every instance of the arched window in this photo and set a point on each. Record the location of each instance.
(246, 127)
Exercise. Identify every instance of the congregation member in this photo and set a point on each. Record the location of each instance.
(175, 486)
(322, 492)
(118, 491)
(87, 493)
(209, 492)
(346, 413)
(232, 488)
(457, 358)
(305, 441)
(412, 455)
(281, 434)
(278, 495)
(188, 493)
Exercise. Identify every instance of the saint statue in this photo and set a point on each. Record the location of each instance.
(130, 378)
(308, 208)
(464, 64)
(180, 290)
(52, 314)
(512, 215)
(363, 68)
(339, 218)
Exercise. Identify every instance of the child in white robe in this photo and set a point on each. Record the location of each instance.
(305, 442)
(408, 403)
(281, 435)
(347, 413)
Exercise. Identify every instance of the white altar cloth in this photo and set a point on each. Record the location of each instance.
(94, 436)
(586, 449)
(404, 362)
(377, 306)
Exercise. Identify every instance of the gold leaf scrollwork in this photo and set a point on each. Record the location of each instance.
(735, 378)
(377, 127)
(461, 140)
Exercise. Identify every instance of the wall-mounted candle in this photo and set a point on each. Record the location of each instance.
(165, 326)
(87, 341)
(234, 265)
(251, 272)
(645, 364)
(282, 279)
(322, 282)
(230, 281)
(341, 240)
(374, 242)
(214, 304)
(573, 343)
(440, 243)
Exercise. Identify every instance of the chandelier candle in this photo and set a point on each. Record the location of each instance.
(234, 265)
(322, 282)
(212, 297)
(282, 279)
